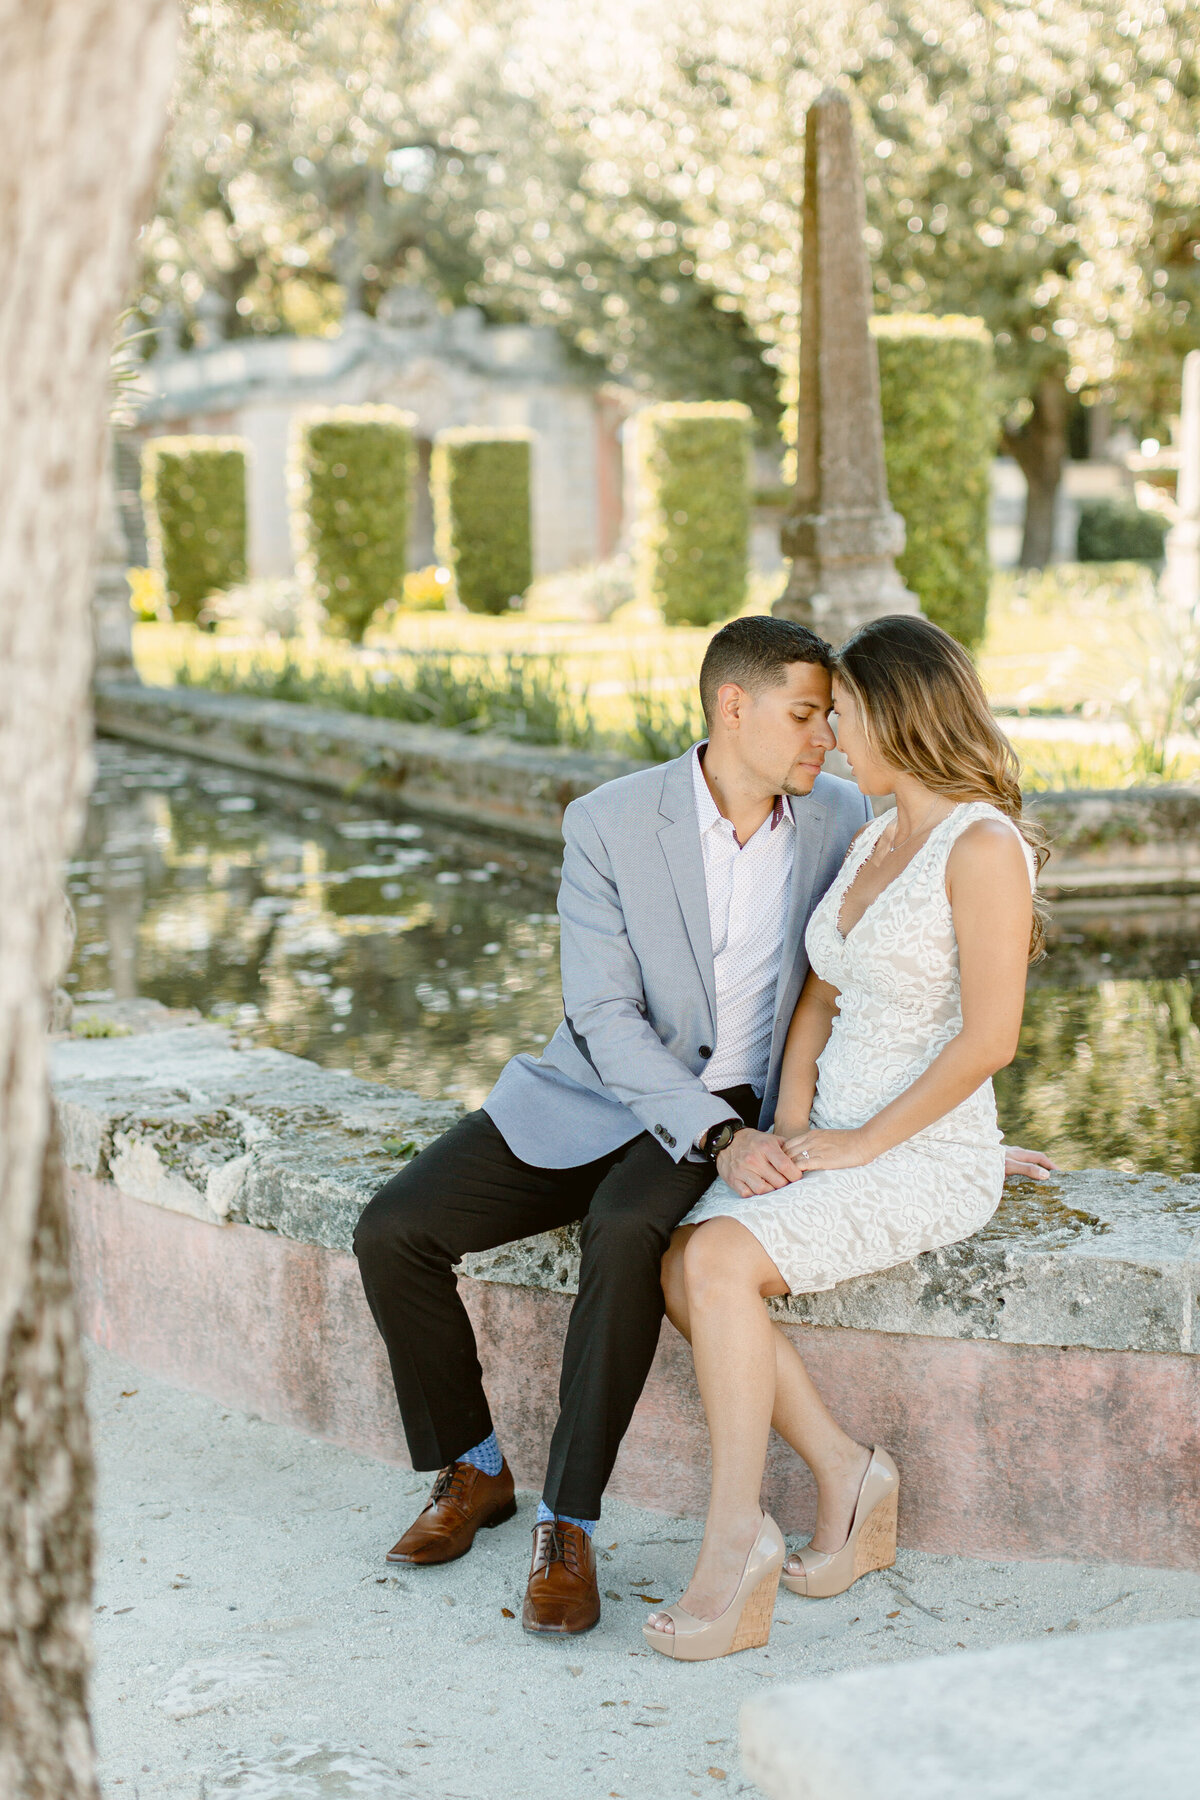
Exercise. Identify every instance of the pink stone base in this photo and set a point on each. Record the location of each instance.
(1006, 1450)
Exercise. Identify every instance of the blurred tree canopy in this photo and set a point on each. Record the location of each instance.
(632, 174)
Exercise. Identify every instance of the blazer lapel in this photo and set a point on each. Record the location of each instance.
(812, 819)
(680, 840)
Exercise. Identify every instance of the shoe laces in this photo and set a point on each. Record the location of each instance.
(450, 1483)
(555, 1545)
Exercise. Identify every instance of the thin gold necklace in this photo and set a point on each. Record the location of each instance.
(893, 846)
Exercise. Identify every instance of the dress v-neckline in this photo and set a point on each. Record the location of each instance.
(844, 937)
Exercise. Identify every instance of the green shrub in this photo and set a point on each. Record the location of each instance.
(350, 480)
(1119, 531)
(194, 493)
(939, 438)
(480, 484)
(693, 528)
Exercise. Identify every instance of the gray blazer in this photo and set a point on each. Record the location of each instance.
(637, 971)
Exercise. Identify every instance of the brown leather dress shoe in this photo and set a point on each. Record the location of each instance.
(462, 1501)
(562, 1595)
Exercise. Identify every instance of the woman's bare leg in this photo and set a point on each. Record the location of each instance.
(798, 1414)
(725, 1273)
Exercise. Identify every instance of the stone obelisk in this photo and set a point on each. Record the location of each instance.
(841, 533)
(1181, 574)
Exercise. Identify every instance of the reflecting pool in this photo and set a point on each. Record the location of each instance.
(422, 955)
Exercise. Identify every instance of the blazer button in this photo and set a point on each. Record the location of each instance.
(706, 1049)
(670, 1140)
(661, 1130)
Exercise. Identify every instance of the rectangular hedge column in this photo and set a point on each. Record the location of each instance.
(482, 521)
(194, 495)
(692, 536)
(350, 486)
(939, 438)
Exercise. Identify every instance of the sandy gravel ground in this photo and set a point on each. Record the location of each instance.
(252, 1645)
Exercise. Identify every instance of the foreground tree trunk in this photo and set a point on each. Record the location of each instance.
(83, 90)
(1040, 450)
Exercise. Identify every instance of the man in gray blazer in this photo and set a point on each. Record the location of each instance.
(686, 890)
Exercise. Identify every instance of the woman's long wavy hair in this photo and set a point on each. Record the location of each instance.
(923, 711)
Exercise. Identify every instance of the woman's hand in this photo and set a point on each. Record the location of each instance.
(829, 1150)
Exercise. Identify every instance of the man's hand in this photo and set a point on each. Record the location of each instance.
(1026, 1165)
(756, 1163)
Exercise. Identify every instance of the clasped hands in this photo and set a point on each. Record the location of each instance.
(759, 1162)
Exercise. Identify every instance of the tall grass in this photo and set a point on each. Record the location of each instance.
(663, 726)
(520, 696)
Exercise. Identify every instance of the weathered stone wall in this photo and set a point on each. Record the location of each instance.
(1128, 841)
(1029, 1381)
(179, 1117)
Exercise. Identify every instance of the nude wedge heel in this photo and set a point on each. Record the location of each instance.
(758, 1614)
(746, 1622)
(876, 1546)
(870, 1545)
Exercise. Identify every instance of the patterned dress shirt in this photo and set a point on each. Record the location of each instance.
(748, 890)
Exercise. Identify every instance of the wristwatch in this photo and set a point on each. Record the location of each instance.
(719, 1137)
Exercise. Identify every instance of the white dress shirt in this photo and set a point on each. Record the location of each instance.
(748, 890)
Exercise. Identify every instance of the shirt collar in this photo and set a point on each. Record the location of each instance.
(709, 813)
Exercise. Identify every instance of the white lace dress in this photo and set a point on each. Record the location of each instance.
(896, 972)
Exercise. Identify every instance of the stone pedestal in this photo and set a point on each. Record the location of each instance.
(842, 532)
(1181, 575)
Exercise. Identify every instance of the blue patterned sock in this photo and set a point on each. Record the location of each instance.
(485, 1457)
(544, 1517)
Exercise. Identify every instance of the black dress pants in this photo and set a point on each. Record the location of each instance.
(469, 1192)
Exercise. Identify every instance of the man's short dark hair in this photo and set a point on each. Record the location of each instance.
(754, 653)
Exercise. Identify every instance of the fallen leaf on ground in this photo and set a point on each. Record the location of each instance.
(717, 1774)
(651, 1599)
(507, 1613)
(894, 1615)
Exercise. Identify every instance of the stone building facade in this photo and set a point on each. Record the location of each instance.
(446, 369)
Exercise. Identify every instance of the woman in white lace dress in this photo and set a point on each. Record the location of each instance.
(918, 955)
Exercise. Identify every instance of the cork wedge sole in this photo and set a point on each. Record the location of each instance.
(876, 1544)
(754, 1626)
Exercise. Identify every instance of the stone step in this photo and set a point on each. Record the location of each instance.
(1108, 1716)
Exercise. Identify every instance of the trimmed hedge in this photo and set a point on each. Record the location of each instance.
(1119, 531)
(693, 529)
(479, 480)
(939, 438)
(194, 495)
(350, 479)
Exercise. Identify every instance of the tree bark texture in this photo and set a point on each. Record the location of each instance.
(45, 1525)
(83, 92)
(1040, 450)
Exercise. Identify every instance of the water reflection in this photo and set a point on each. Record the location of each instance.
(421, 955)
(424, 957)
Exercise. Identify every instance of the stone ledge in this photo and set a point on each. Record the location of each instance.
(477, 780)
(1123, 842)
(1098, 1717)
(180, 1117)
